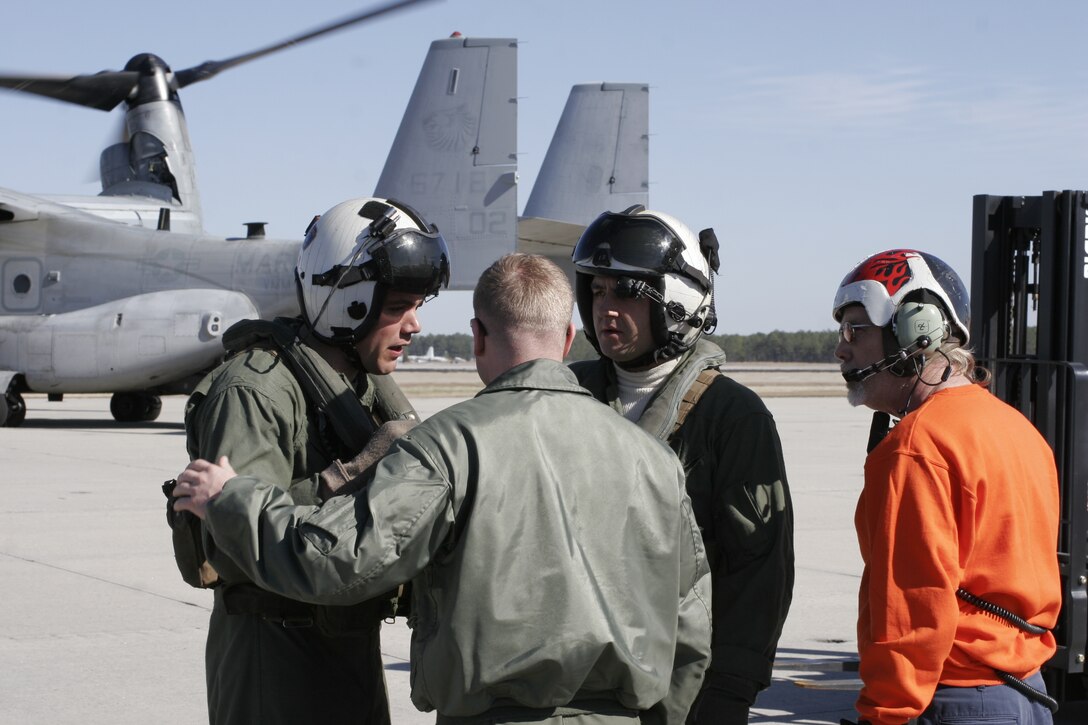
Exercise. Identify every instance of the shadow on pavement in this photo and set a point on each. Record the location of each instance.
(817, 686)
(809, 686)
(104, 425)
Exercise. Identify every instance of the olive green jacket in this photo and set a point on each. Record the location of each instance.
(552, 550)
(252, 409)
(736, 477)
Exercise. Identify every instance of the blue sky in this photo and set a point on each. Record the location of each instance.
(808, 134)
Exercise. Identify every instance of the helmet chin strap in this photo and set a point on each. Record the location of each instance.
(352, 354)
(659, 355)
(307, 334)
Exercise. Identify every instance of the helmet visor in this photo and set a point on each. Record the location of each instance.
(408, 260)
(633, 243)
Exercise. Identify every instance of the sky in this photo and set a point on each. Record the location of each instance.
(807, 134)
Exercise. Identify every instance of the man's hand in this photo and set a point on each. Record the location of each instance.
(344, 479)
(199, 483)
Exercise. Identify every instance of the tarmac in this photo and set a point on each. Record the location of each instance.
(96, 625)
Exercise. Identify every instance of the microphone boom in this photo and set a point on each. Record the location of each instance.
(901, 355)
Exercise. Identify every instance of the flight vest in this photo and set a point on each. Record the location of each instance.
(344, 423)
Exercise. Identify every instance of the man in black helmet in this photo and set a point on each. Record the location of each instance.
(296, 396)
(645, 295)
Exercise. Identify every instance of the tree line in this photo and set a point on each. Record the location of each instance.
(777, 346)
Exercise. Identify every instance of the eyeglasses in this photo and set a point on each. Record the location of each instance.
(848, 330)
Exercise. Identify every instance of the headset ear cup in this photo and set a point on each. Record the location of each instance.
(915, 319)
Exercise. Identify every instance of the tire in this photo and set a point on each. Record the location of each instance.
(125, 407)
(152, 407)
(12, 410)
(135, 407)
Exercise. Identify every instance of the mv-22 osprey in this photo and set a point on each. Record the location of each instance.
(124, 293)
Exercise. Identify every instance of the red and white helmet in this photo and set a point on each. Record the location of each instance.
(358, 251)
(883, 282)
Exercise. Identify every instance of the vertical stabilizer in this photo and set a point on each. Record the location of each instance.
(598, 160)
(454, 156)
(599, 156)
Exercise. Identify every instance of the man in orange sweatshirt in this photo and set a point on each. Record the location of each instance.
(957, 521)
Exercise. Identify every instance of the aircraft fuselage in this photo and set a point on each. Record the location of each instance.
(105, 307)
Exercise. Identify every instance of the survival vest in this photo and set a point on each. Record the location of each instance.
(343, 421)
(691, 397)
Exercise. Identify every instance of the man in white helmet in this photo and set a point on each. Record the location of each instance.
(959, 513)
(295, 396)
(645, 295)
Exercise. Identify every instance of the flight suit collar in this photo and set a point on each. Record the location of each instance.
(539, 374)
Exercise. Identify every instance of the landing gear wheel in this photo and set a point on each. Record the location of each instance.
(12, 410)
(135, 407)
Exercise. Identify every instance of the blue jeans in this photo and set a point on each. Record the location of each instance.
(986, 705)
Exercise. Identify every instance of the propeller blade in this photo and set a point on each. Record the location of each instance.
(210, 68)
(102, 90)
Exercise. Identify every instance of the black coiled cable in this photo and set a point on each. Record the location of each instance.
(1020, 623)
(999, 612)
(1028, 691)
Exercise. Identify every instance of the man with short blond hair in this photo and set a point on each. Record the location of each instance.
(527, 291)
(558, 573)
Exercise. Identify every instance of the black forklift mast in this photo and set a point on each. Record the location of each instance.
(1029, 326)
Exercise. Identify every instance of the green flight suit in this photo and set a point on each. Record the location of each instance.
(736, 478)
(293, 664)
(556, 566)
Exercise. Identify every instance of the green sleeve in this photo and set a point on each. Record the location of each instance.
(348, 550)
(753, 571)
(693, 627)
(257, 432)
(260, 434)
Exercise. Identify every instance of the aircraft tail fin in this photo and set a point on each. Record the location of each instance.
(598, 159)
(454, 155)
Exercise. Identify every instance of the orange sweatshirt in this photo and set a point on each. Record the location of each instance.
(962, 492)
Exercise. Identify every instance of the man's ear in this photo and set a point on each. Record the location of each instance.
(570, 339)
(479, 338)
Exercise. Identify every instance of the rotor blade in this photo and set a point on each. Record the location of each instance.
(210, 68)
(102, 90)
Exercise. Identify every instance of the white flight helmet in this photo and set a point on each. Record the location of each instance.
(354, 254)
(654, 255)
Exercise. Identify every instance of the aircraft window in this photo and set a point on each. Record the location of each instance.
(148, 159)
(21, 284)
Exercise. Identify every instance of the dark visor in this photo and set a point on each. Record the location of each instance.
(408, 260)
(641, 241)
